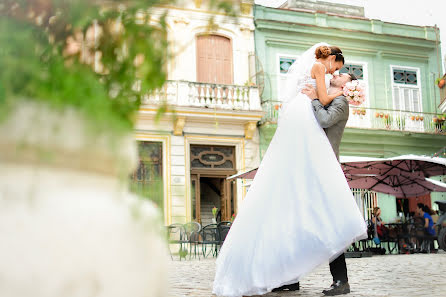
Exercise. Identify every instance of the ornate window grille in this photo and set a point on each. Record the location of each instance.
(212, 157)
(355, 69)
(285, 64)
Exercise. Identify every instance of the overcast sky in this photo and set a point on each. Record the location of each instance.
(421, 13)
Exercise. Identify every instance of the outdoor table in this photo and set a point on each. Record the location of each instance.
(403, 232)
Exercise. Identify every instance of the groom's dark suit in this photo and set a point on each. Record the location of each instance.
(333, 118)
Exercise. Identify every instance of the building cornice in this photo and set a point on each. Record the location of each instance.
(291, 20)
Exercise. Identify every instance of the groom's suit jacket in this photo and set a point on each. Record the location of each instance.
(333, 118)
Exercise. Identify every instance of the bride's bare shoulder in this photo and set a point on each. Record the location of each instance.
(318, 68)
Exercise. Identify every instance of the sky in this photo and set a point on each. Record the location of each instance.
(421, 13)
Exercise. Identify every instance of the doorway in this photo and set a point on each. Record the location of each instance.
(210, 166)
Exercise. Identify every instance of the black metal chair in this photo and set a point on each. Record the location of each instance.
(222, 231)
(176, 234)
(209, 237)
(425, 242)
(192, 231)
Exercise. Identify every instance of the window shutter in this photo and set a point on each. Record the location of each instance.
(214, 59)
(396, 98)
(406, 99)
(416, 100)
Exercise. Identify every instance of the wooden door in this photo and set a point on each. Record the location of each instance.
(195, 198)
(214, 59)
(226, 194)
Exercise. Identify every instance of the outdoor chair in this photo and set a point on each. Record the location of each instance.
(176, 234)
(209, 240)
(192, 231)
(424, 242)
(223, 229)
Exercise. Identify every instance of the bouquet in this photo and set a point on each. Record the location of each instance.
(354, 92)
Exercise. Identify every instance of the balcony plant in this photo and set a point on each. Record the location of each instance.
(401, 122)
(440, 81)
(387, 119)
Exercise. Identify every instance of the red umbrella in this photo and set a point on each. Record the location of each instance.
(247, 174)
(403, 176)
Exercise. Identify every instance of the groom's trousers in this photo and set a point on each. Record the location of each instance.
(338, 269)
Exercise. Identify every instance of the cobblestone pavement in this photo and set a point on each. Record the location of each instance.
(389, 275)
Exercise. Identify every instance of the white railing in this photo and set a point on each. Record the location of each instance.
(185, 93)
(377, 118)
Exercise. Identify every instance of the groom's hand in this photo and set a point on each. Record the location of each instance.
(310, 91)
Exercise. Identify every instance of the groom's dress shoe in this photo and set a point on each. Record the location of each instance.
(292, 287)
(337, 288)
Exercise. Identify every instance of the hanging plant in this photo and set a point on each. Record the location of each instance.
(440, 82)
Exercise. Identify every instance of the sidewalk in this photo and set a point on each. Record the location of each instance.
(389, 275)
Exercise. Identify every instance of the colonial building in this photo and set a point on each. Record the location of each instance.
(208, 130)
(398, 64)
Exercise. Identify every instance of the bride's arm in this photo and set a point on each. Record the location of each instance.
(318, 71)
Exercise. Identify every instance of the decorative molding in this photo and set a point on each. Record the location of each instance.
(393, 55)
(246, 28)
(250, 128)
(179, 126)
(312, 29)
(181, 20)
(198, 3)
(306, 45)
(246, 7)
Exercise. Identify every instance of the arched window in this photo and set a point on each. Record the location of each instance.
(214, 59)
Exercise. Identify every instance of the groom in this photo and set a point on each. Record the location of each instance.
(333, 118)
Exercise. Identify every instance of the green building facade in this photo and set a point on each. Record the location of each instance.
(397, 63)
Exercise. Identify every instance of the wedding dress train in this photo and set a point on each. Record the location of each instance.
(299, 212)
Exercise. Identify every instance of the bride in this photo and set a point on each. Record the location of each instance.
(299, 212)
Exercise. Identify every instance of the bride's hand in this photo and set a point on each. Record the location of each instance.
(340, 93)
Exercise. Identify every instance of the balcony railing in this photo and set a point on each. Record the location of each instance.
(194, 94)
(378, 119)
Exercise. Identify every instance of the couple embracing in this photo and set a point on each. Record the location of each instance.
(299, 212)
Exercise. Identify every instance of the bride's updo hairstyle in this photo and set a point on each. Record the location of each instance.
(324, 51)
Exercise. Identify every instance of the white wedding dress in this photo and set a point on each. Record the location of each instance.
(299, 212)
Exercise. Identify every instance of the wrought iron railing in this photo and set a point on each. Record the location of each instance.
(378, 118)
(185, 93)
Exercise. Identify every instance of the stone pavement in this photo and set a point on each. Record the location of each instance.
(388, 275)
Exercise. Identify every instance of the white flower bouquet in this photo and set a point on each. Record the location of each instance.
(354, 91)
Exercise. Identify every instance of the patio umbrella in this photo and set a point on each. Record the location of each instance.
(403, 176)
(249, 174)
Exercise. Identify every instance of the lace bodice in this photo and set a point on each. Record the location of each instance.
(308, 80)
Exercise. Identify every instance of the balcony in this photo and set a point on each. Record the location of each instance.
(378, 119)
(194, 94)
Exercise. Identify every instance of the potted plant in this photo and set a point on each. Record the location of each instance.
(440, 81)
(214, 214)
(387, 120)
